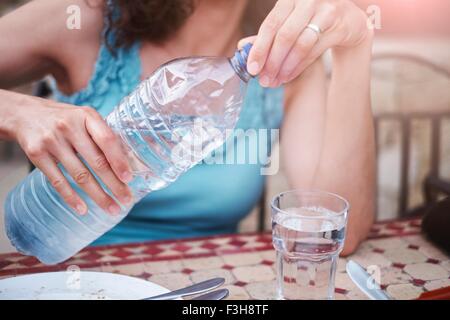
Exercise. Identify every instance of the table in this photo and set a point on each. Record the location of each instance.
(409, 264)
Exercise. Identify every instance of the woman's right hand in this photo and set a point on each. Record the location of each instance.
(52, 133)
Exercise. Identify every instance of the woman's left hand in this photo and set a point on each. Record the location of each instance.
(287, 43)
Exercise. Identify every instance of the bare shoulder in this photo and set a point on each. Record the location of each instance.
(50, 27)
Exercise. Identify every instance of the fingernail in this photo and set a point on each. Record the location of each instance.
(114, 209)
(253, 68)
(81, 209)
(127, 176)
(127, 200)
(264, 81)
(275, 83)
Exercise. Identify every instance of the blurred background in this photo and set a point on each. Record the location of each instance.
(410, 100)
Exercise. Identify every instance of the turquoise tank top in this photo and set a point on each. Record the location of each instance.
(208, 199)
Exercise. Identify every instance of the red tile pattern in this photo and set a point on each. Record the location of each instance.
(247, 262)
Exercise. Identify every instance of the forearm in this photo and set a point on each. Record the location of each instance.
(347, 162)
(11, 104)
(303, 126)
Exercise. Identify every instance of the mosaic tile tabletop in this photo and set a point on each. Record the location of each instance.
(409, 264)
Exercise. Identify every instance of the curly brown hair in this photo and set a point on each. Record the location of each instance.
(152, 20)
(158, 20)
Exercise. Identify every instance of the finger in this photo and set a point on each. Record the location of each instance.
(304, 45)
(56, 178)
(285, 39)
(276, 83)
(246, 40)
(98, 162)
(325, 42)
(315, 53)
(266, 34)
(110, 146)
(298, 54)
(83, 177)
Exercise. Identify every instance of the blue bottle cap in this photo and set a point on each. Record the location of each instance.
(239, 62)
(245, 51)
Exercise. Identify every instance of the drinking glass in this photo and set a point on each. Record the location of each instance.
(308, 229)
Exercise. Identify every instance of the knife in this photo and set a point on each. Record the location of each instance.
(197, 288)
(214, 295)
(365, 282)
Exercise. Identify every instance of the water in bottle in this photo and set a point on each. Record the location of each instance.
(173, 120)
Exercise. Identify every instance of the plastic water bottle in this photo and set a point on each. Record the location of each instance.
(173, 120)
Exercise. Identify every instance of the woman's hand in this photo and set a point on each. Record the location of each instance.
(285, 45)
(52, 133)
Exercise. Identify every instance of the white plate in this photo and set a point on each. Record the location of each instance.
(78, 285)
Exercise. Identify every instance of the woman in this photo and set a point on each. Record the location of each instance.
(326, 132)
